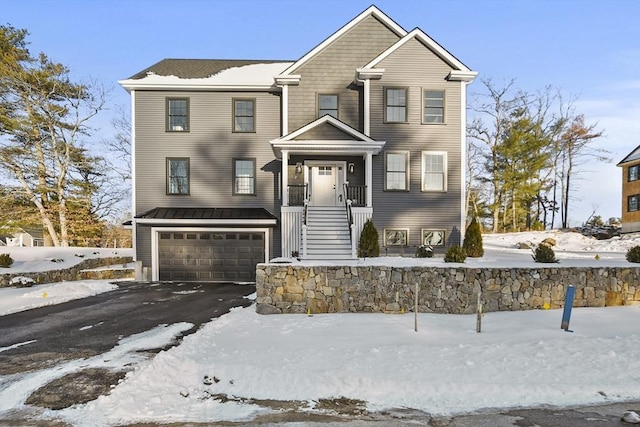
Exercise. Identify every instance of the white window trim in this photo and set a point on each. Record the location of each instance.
(406, 230)
(426, 230)
(407, 155)
(444, 105)
(445, 167)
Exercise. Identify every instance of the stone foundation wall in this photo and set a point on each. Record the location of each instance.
(77, 272)
(332, 289)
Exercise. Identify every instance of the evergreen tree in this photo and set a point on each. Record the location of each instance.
(472, 244)
(43, 117)
(369, 243)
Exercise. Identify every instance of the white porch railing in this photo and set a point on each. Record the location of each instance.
(360, 216)
(292, 221)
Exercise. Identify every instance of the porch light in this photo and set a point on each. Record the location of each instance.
(298, 167)
(351, 167)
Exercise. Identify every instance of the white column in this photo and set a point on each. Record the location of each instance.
(463, 157)
(367, 101)
(285, 110)
(285, 178)
(134, 211)
(368, 178)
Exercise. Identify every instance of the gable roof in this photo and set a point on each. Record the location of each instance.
(207, 73)
(371, 11)
(463, 72)
(194, 68)
(357, 142)
(632, 156)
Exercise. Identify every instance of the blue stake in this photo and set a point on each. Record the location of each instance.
(568, 304)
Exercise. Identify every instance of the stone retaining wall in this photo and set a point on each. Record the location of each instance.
(333, 289)
(77, 272)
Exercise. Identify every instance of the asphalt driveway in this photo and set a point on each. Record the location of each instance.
(93, 325)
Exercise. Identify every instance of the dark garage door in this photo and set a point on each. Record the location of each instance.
(210, 256)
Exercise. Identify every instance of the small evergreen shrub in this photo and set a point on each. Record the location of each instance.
(424, 251)
(455, 253)
(472, 244)
(545, 254)
(369, 246)
(633, 254)
(5, 260)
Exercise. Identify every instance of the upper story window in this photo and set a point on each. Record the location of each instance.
(433, 106)
(633, 203)
(178, 175)
(395, 100)
(396, 175)
(177, 114)
(633, 172)
(244, 115)
(328, 104)
(434, 171)
(244, 176)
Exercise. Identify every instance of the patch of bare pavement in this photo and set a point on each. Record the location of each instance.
(352, 413)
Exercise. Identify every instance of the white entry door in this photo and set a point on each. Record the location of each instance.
(324, 185)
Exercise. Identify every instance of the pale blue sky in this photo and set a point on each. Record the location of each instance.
(589, 49)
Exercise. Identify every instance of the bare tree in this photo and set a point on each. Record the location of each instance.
(575, 149)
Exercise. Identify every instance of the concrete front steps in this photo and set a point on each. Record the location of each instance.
(328, 234)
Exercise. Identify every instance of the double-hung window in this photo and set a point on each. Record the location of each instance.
(395, 100)
(396, 171)
(433, 105)
(178, 175)
(244, 115)
(328, 104)
(177, 114)
(633, 172)
(434, 171)
(633, 203)
(244, 176)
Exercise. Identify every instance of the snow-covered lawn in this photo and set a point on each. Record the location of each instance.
(520, 359)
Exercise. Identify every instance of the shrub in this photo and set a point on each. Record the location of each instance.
(544, 253)
(369, 246)
(455, 253)
(5, 260)
(424, 251)
(472, 244)
(633, 254)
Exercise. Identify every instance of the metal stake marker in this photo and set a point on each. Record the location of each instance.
(415, 309)
(568, 304)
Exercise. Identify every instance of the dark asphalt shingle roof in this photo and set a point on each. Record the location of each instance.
(195, 68)
(207, 213)
(632, 156)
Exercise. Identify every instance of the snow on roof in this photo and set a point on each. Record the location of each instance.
(251, 75)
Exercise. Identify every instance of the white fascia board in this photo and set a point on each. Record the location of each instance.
(462, 76)
(207, 222)
(130, 85)
(372, 10)
(369, 74)
(326, 146)
(332, 120)
(293, 79)
(427, 41)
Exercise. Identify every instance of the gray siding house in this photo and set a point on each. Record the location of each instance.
(238, 162)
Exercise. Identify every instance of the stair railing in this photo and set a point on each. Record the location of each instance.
(352, 230)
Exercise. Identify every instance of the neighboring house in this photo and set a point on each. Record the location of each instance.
(631, 191)
(24, 237)
(238, 162)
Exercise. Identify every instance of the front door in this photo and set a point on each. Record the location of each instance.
(325, 185)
